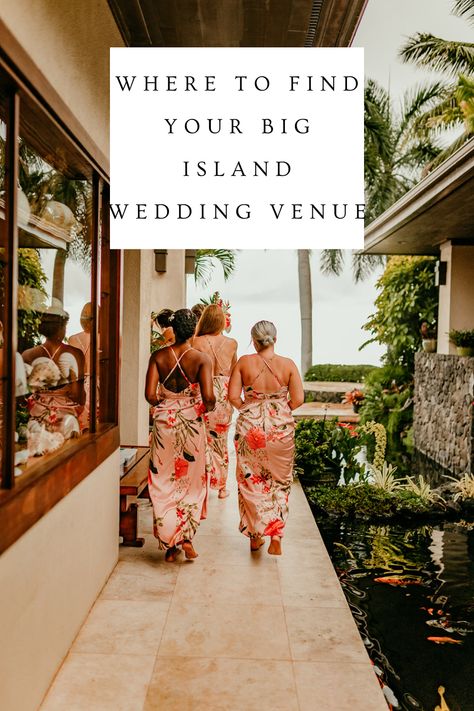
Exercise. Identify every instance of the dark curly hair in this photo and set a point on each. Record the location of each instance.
(184, 324)
(163, 318)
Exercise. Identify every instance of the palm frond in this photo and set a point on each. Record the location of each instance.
(332, 261)
(437, 54)
(206, 260)
(464, 8)
(363, 265)
(447, 152)
(417, 100)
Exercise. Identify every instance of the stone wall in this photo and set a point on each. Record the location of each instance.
(443, 419)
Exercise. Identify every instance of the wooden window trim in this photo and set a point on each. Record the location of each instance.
(25, 500)
(35, 495)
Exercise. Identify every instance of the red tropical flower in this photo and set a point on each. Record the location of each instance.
(200, 409)
(213, 481)
(221, 429)
(274, 528)
(256, 438)
(180, 468)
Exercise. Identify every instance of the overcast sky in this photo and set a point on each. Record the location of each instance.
(265, 283)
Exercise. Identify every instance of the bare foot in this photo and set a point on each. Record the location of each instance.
(189, 551)
(275, 546)
(256, 543)
(171, 554)
(223, 494)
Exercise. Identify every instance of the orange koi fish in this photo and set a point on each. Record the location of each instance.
(443, 640)
(399, 580)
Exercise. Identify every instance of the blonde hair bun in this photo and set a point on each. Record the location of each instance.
(264, 333)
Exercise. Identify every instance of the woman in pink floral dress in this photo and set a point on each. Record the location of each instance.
(179, 385)
(223, 353)
(264, 437)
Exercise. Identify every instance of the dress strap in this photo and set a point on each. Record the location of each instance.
(178, 365)
(215, 354)
(49, 354)
(266, 364)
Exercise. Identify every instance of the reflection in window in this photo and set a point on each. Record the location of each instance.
(54, 309)
(3, 301)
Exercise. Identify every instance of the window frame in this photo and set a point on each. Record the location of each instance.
(24, 501)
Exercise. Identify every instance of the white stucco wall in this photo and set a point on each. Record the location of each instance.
(51, 576)
(144, 291)
(456, 297)
(69, 41)
(49, 579)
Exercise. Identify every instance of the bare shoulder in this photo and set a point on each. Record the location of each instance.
(201, 357)
(30, 354)
(198, 342)
(76, 352)
(289, 364)
(246, 359)
(231, 340)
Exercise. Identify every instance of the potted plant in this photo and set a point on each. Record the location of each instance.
(428, 337)
(355, 398)
(464, 342)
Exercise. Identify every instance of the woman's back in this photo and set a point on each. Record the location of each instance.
(266, 375)
(221, 350)
(178, 368)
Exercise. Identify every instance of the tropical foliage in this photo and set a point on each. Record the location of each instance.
(208, 259)
(339, 373)
(454, 60)
(31, 295)
(325, 449)
(407, 297)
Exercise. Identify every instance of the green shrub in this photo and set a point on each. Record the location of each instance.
(365, 501)
(339, 373)
(407, 296)
(462, 339)
(324, 449)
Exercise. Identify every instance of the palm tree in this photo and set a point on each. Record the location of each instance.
(393, 160)
(455, 60)
(206, 260)
(306, 308)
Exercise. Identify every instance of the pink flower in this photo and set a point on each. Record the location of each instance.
(274, 528)
(213, 481)
(180, 468)
(171, 421)
(200, 409)
(255, 479)
(256, 438)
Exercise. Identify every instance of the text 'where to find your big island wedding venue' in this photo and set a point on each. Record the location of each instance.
(242, 148)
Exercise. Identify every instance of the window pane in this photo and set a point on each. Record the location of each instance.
(54, 295)
(3, 266)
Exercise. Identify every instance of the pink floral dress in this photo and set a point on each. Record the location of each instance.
(217, 425)
(264, 442)
(178, 477)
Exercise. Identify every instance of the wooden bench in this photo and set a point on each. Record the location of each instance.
(133, 482)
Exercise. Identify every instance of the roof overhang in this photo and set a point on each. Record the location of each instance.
(237, 23)
(439, 208)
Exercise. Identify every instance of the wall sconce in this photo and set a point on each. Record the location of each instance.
(160, 260)
(189, 261)
(441, 272)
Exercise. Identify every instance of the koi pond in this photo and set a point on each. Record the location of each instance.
(411, 591)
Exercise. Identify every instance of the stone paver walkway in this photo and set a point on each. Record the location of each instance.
(230, 631)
